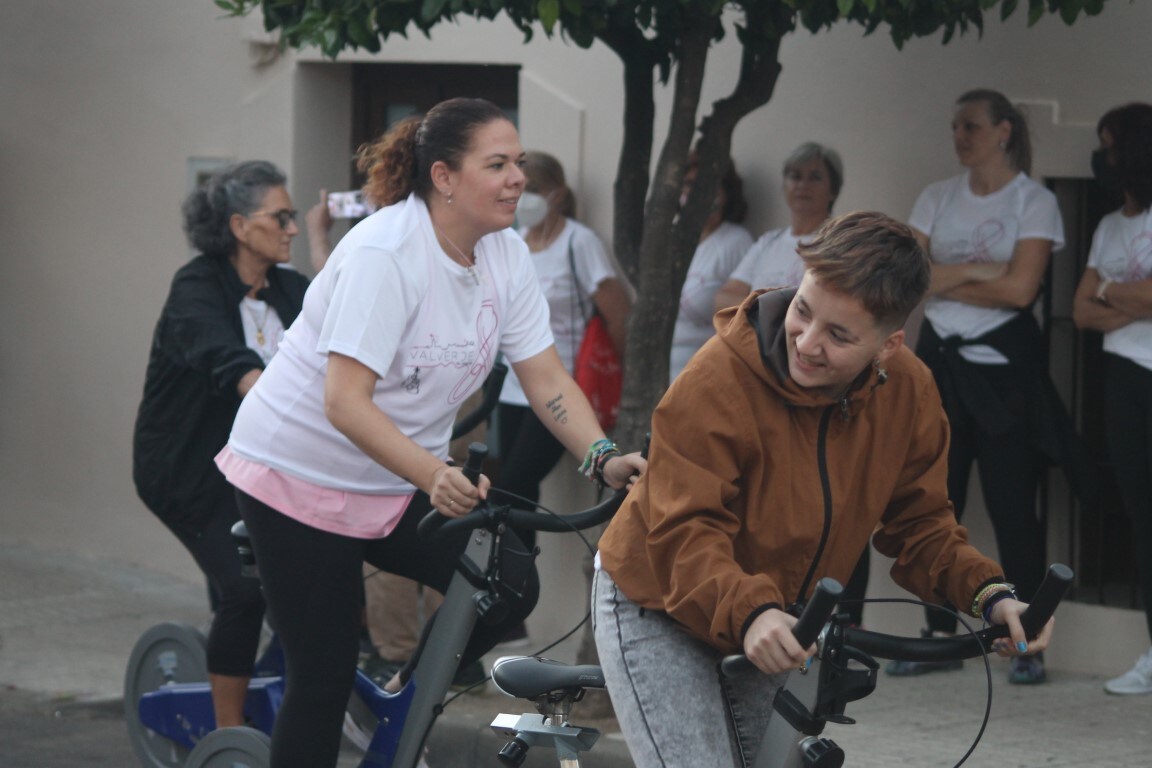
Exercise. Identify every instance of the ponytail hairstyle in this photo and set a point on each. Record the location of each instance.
(1019, 146)
(208, 210)
(544, 171)
(400, 162)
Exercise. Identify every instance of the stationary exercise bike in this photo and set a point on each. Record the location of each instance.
(169, 707)
(842, 671)
(168, 702)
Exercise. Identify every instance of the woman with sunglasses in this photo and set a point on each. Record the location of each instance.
(223, 319)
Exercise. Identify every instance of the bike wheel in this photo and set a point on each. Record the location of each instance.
(240, 747)
(167, 653)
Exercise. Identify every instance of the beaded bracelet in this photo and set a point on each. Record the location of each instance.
(598, 454)
(995, 588)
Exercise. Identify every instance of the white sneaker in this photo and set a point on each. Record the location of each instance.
(1136, 680)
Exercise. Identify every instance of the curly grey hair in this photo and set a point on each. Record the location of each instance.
(239, 188)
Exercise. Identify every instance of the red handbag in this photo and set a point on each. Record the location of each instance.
(596, 368)
(598, 372)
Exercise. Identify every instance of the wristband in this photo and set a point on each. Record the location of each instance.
(989, 590)
(597, 456)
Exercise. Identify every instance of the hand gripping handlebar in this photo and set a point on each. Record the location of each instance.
(819, 609)
(484, 514)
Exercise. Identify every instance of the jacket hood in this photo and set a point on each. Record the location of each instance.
(754, 331)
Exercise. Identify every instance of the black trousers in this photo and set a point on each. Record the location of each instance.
(1010, 469)
(237, 603)
(1128, 417)
(312, 583)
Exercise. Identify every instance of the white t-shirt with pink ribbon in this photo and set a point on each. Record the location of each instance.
(1122, 252)
(430, 328)
(963, 227)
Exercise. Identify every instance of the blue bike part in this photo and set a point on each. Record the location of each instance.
(391, 710)
(166, 654)
(183, 714)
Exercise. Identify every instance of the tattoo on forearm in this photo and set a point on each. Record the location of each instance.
(559, 412)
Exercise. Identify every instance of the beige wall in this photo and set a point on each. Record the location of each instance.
(104, 103)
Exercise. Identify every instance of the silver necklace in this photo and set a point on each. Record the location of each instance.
(469, 264)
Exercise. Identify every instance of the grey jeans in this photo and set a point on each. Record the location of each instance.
(673, 706)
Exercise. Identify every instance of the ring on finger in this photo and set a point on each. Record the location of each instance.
(451, 502)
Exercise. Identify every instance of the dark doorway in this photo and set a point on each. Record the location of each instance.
(1099, 538)
(385, 93)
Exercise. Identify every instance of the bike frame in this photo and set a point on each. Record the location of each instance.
(406, 717)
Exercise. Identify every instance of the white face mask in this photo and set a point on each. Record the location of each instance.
(531, 209)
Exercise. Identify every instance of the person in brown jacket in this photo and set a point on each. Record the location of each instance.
(802, 429)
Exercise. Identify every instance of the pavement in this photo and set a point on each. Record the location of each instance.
(68, 624)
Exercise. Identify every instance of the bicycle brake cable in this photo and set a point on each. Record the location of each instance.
(963, 620)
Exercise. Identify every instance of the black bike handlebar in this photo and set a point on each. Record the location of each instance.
(816, 613)
(484, 515)
(1051, 591)
(1056, 583)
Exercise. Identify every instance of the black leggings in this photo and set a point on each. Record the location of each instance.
(237, 604)
(312, 582)
(1128, 417)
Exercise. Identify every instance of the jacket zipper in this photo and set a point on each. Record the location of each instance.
(826, 489)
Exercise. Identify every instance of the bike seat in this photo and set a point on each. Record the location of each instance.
(527, 677)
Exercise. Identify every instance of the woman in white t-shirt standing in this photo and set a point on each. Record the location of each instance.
(340, 448)
(577, 278)
(813, 176)
(1115, 297)
(990, 233)
(723, 242)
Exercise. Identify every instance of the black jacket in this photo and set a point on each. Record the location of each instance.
(963, 388)
(190, 401)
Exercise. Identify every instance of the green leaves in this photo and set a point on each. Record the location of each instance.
(549, 13)
(657, 25)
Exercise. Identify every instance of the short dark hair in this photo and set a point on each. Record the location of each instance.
(1132, 150)
(873, 258)
(208, 210)
(400, 161)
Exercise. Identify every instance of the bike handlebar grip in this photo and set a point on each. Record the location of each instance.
(477, 452)
(1051, 591)
(434, 521)
(817, 611)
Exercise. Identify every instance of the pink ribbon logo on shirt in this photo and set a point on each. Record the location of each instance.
(486, 323)
(984, 237)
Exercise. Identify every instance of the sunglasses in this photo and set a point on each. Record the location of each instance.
(283, 216)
